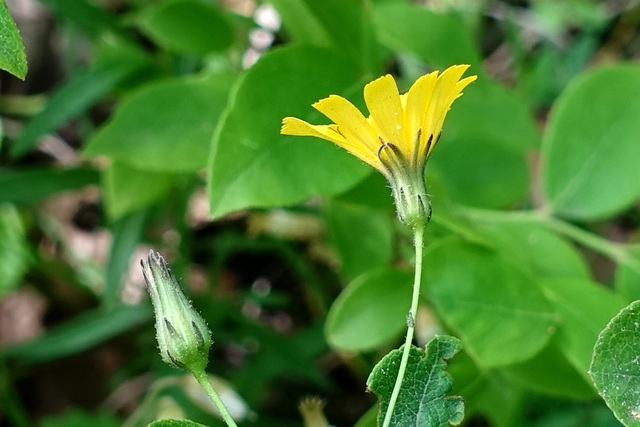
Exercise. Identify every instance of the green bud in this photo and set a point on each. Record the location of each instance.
(183, 336)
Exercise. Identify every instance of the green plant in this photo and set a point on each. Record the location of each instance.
(299, 265)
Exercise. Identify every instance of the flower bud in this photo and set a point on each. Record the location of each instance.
(183, 336)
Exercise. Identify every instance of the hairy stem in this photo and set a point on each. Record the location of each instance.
(203, 380)
(411, 323)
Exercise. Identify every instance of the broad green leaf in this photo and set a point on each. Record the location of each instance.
(477, 171)
(175, 423)
(14, 249)
(489, 301)
(496, 113)
(361, 236)
(422, 401)
(78, 334)
(488, 393)
(12, 56)
(79, 93)
(371, 311)
(187, 26)
(590, 149)
(166, 126)
(549, 372)
(481, 157)
(338, 24)
(128, 189)
(438, 39)
(33, 185)
(541, 251)
(251, 164)
(584, 308)
(78, 418)
(615, 366)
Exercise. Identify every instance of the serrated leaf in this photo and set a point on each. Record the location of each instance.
(615, 366)
(166, 126)
(251, 164)
(422, 401)
(590, 150)
(370, 311)
(187, 26)
(12, 56)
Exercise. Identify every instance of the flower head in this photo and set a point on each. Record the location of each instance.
(398, 136)
(183, 336)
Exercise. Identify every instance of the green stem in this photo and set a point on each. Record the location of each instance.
(203, 380)
(411, 324)
(621, 253)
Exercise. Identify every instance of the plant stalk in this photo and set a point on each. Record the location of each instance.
(203, 380)
(418, 239)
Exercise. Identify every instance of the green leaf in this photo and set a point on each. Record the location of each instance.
(590, 149)
(78, 418)
(251, 164)
(489, 300)
(438, 39)
(14, 249)
(481, 157)
(422, 401)
(615, 366)
(627, 279)
(166, 126)
(33, 185)
(550, 372)
(541, 251)
(584, 308)
(127, 234)
(79, 93)
(362, 237)
(187, 26)
(369, 419)
(12, 56)
(89, 18)
(174, 423)
(343, 25)
(78, 334)
(128, 189)
(371, 311)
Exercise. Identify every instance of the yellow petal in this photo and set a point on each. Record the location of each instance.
(383, 101)
(351, 123)
(447, 89)
(297, 127)
(417, 104)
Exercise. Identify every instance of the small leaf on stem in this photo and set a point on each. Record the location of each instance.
(422, 400)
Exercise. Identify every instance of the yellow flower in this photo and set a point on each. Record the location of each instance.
(398, 136)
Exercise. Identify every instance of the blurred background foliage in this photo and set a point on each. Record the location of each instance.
(148, 123)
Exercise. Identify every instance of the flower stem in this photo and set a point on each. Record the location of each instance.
(203, 380)
(418, 239)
